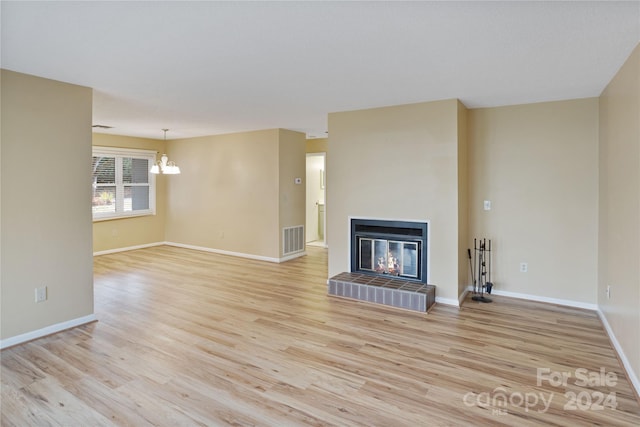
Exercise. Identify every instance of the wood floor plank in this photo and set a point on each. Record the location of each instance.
(190, 338)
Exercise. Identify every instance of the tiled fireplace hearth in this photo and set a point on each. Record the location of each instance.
(388, 264)
(385, 290)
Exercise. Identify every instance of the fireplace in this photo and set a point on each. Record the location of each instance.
(389, 248)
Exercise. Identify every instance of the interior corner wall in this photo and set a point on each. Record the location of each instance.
(538, 165)
(227, 195)
(136, 231)
(396, 163)
(46, 208)
(291, 165)
(619, 228)
(464, 273)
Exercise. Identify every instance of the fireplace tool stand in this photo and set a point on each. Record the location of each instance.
(481, 251)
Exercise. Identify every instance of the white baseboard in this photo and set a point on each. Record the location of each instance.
(292, 256)
(565, 302)
(447, 301)
(58, 327)
(128, 248)
(462, 297)
(236, 254)
(633, 377)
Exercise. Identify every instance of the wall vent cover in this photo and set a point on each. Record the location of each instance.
(292, 239)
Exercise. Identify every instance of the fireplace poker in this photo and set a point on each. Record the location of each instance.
(473, 277)
(489, 284)
(481, 272)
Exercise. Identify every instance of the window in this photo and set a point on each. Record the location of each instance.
(122, 184)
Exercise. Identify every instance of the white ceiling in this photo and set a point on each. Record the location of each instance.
(203, 68)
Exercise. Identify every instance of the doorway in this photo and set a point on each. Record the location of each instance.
(316, 202)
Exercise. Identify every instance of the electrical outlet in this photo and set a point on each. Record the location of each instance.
(41, 294)
(524, 267)
(487, 205)
(608, 291)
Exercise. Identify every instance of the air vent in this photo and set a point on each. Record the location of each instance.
(102, 127)
(292, 239)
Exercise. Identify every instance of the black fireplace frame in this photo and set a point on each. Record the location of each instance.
(410, 231)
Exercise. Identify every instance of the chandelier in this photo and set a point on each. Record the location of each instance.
(165, 166)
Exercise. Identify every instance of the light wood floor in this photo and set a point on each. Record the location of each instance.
(188, 338)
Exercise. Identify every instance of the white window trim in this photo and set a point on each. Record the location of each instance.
(119, 153)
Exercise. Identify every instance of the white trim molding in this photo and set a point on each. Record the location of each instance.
(237, 254)
(447, 301)
(565, 302)
(128, 248)
(204, 249)
(463, 295)
(49, 330)
(633, 377)
(292, 256)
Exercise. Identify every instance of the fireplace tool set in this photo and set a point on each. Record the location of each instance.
(481, 283)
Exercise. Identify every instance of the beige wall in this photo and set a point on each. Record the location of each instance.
(291, 165)
(538, 165)
(464, 273)
(228, 196)
(143, 230)
(396, 163)
(46, 203)
(317, 145)
(619, 244)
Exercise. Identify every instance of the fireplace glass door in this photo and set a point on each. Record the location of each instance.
(397, 258)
